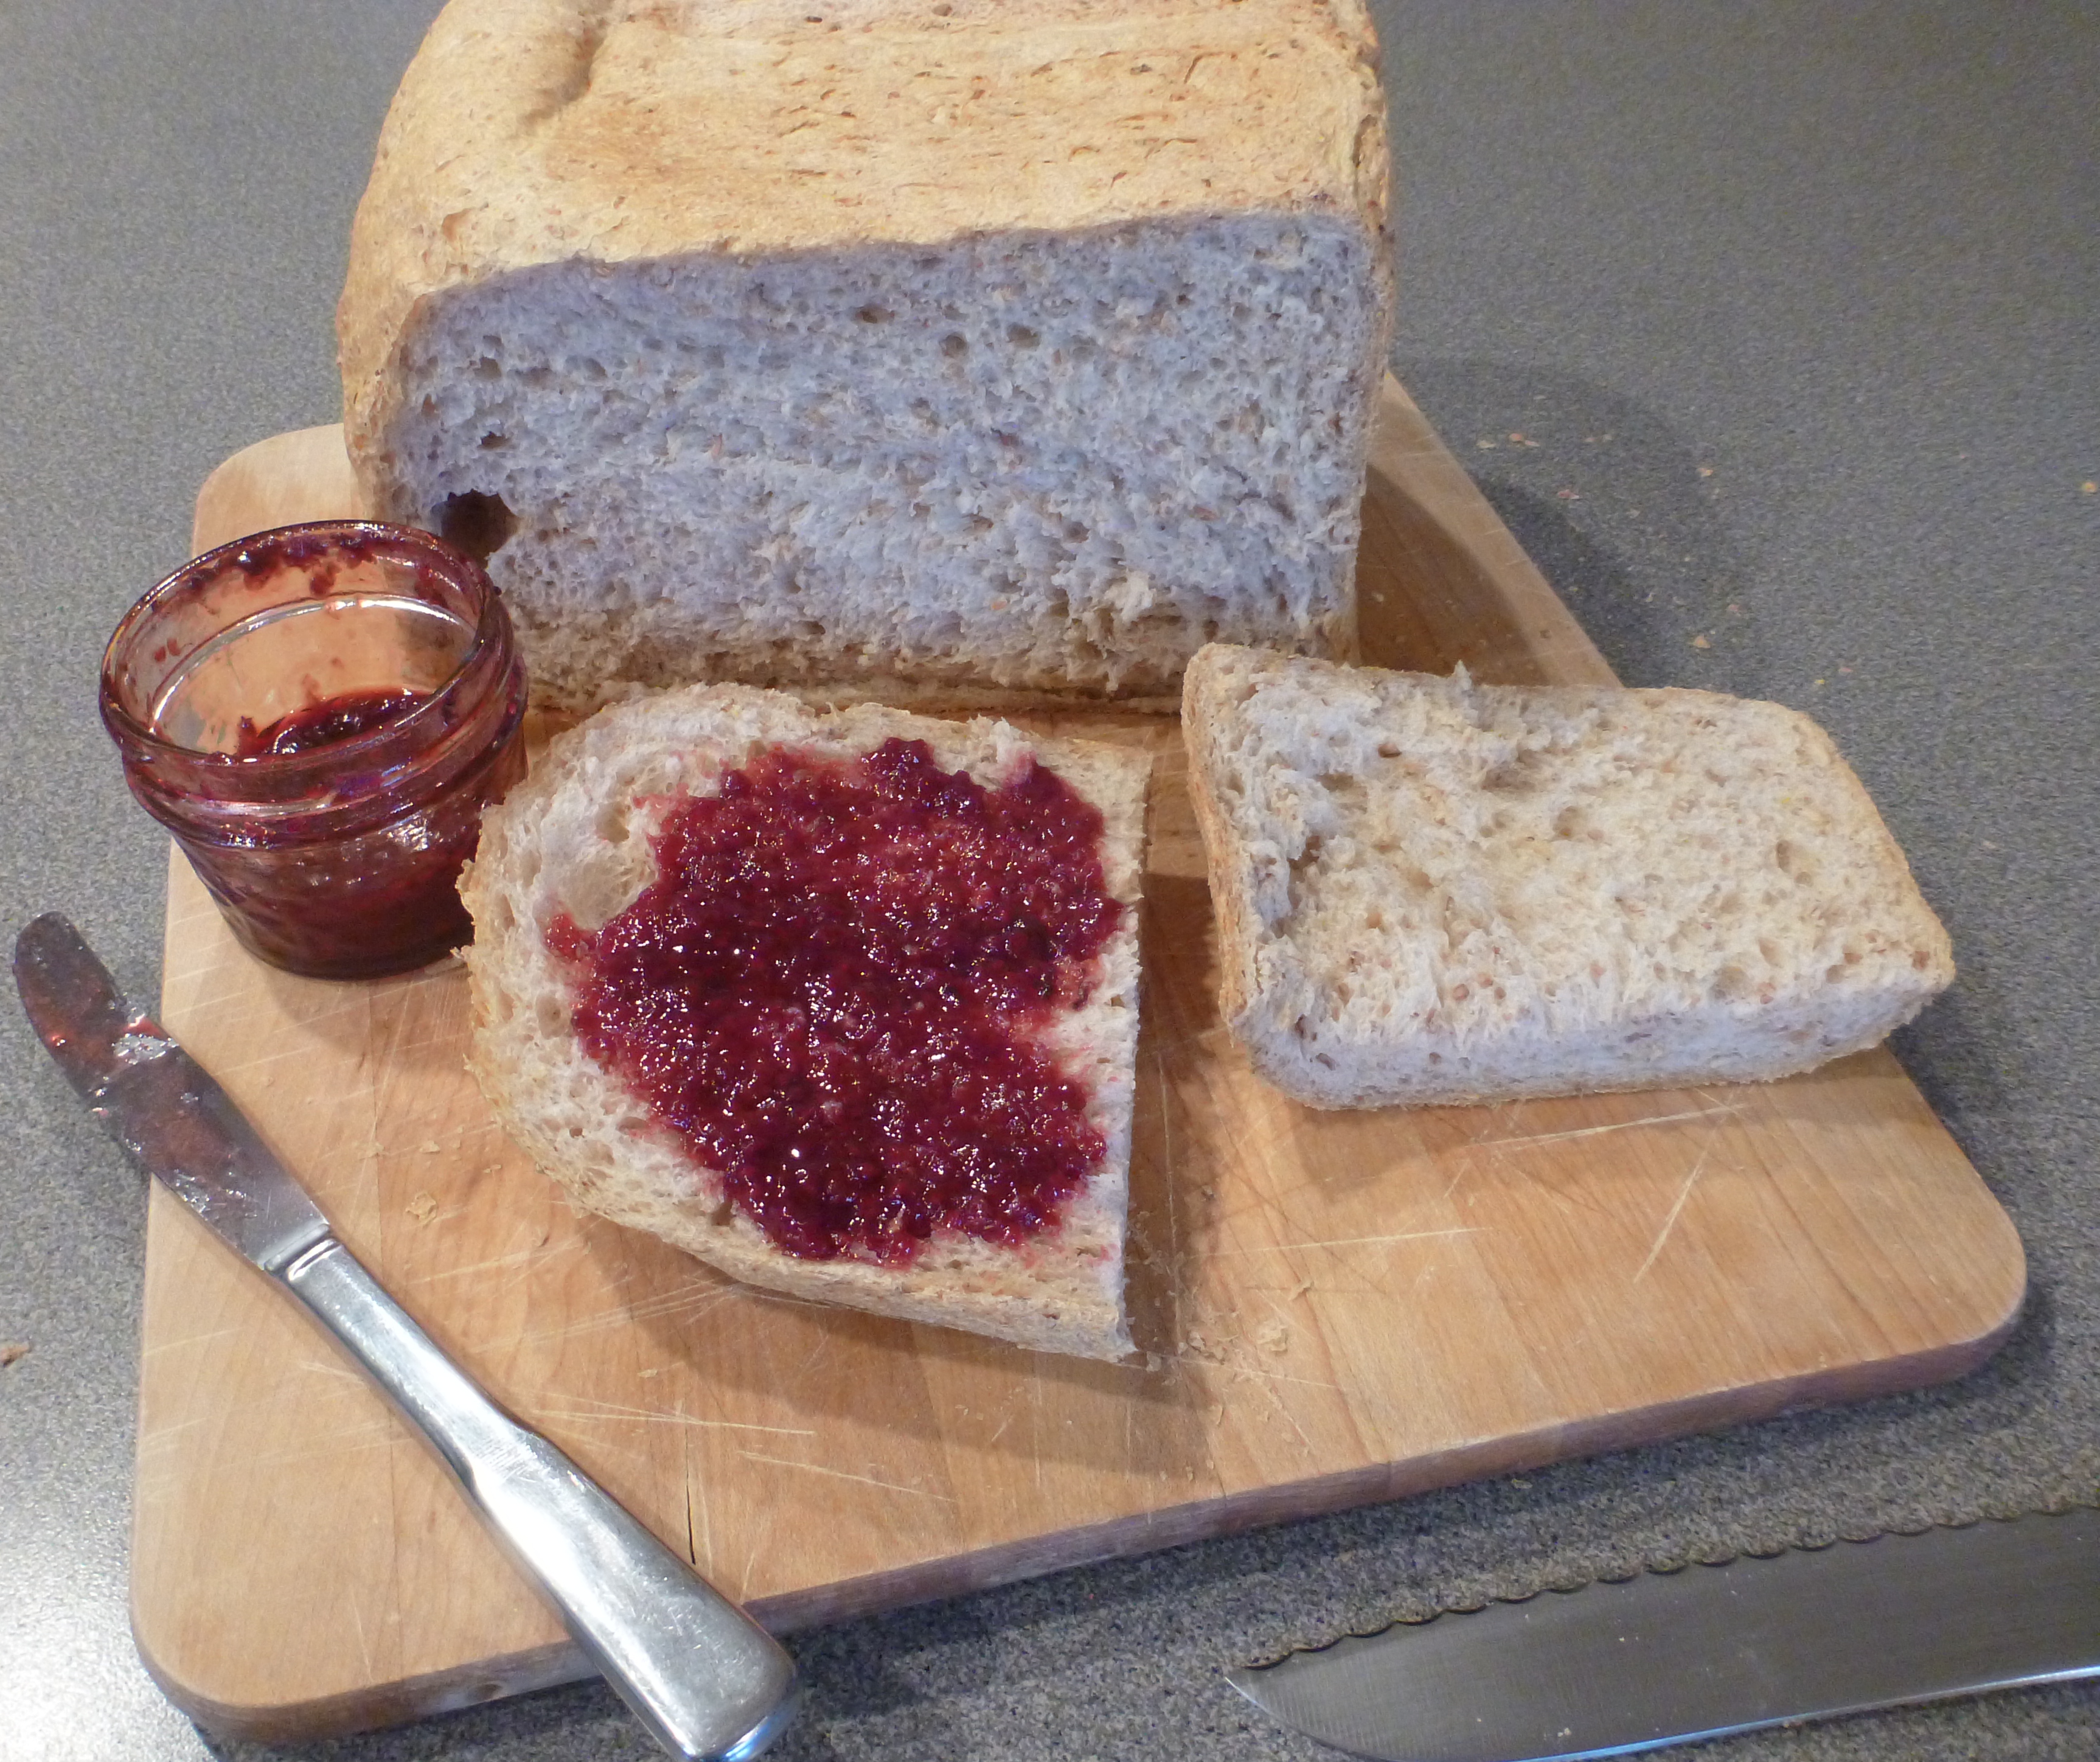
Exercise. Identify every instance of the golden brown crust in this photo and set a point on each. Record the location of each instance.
(528, 132)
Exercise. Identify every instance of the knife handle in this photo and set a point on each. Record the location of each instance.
(707, 1682)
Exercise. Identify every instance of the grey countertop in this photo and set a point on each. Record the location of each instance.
(1795, 306)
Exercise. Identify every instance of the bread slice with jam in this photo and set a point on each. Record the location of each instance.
(843, 1003)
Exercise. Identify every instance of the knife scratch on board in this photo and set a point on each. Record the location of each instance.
(1290, 1419)
(342, 1373)
(1035, 1428)
(382, 1433)
(1670, 1222)
(609, 1410)
(762, 1535)
(1166, 1115)
(843, 1474)
(700, 1536)
(161, 1437)
(690, 1304)
(158, 1347)
(387, 1068)
(1266, 1374)
(520, 1262)
(818, 1346)
(1345, 1241)
(1526, 1141)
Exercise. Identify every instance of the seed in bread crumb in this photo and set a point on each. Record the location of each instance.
(423, 1208)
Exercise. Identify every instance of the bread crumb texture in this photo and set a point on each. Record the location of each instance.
(1429, 891)
(1020, 347)
(574, 839)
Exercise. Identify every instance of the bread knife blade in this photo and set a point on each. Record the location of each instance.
(705, 1679)
(1665, 1657)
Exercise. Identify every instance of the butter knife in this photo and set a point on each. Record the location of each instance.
(1665, 1657)
(704, 1678)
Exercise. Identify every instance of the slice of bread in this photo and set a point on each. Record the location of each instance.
(961, 353)
(1433, 891)
(574, 840)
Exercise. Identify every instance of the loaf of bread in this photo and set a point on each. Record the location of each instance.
(573, 849)
(1429, 891)
(954, 354)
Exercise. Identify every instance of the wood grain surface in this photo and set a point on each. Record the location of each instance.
(1336, 1307)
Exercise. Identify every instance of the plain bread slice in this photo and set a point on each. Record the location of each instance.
(1429, 891)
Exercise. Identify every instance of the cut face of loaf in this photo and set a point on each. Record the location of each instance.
(997, 352)
(1432, 891)
(573, 842)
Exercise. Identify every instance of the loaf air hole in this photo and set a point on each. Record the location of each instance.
(477, 524)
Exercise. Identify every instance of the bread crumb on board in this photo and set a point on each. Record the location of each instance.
(13, 1352)
(423, 1208)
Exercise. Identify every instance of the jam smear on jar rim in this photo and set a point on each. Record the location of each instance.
(835, 991)
(344, 717)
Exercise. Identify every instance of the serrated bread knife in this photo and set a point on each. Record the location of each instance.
(1665, 1658)
(706, 1679)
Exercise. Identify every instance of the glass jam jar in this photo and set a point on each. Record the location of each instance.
(318, 714)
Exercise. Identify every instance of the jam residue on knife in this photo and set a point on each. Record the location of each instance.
(835, 989)
(324, 722)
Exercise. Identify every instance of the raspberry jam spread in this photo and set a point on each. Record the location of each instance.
(341, 718)
(835, 989)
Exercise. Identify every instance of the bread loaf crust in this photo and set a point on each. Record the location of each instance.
(928, 318)
(1432, 891)
(574, 839)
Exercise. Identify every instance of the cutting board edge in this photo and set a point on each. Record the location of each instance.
(1327, 1495)
(372, 1708)
(472, 1684)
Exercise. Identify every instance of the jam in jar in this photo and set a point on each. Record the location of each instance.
(318, 714)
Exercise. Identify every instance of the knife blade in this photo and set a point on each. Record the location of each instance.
(1665, 1657)
(705, 1680)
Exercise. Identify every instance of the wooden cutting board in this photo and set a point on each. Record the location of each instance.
(1337, 1308)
